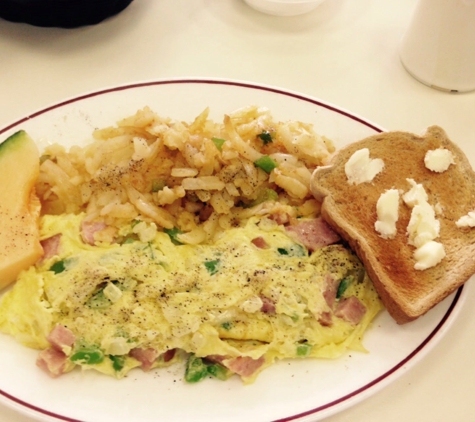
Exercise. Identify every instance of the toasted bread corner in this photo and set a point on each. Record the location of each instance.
(351, 211)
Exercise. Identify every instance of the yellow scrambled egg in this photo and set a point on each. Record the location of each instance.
(223, 301)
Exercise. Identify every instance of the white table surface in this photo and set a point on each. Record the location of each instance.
(345, 52)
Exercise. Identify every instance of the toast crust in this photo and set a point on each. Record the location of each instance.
(351, 211)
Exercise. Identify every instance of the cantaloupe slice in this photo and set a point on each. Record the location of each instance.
(19, 206)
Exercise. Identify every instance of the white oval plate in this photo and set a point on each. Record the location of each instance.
(300, 390)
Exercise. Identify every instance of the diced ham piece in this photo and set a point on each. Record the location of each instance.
(89, 228)
(61, 337)
(313, 234)
(244, 366)
(52, 361)
(51, 246)
(350, 309)
(169, 355)
(325, 319)
(331, 289)
(260, 242)
(206, 212)
(268, 305)
(217, 358)
(146, 357)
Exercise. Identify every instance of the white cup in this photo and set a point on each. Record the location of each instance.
(438, 48)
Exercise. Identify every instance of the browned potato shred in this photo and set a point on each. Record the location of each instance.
(199, 177)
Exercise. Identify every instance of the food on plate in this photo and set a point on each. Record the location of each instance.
(410, 222)
(19, 207)
(201, 242)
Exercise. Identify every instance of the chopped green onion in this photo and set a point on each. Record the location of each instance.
(135, 222)
(129, 239)
(58, 267)
(265, 163)
(212, 266)
(218, 142)
(99, 301)
(265, 136)
(226, 325)
(293, 250)
(173, 233)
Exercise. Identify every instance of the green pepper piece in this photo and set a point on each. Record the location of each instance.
(158, 185)
(58, 267)
(99, 301)
(304, 349)
(265, 163)
(212, 266)
(227, 325)
(129, 239)
(264, 195)
(219, 371)
(265, 136)
(294, 250)
(218, 142)
(173, 233)
(118, 362)
(344, 284)
(88, 356)
(195, 370)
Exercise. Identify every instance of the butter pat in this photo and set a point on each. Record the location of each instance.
(416, 195)
(361, 168)
(387, 212)
(423, 228)
(467, 220)
(429, 255)
(438, 160)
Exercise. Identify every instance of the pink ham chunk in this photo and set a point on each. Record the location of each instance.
(325, 319)
(146, 357)
(350, 309)
(89, 228)
(169, 355)
(313, 234)
(52, 361)
(244, 366)
(260, 242)
(51, 246)
(61, 337)
(268, 305)
(331, 289)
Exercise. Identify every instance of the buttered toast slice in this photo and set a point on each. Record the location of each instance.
(417, 247)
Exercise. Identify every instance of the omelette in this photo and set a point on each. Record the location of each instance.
(254, 295)
(200, 244)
